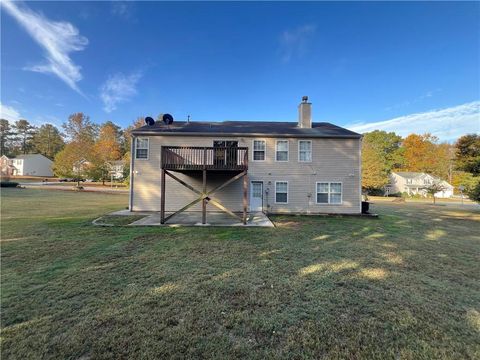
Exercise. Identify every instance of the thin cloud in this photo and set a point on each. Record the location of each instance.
(117, 89)
(123, 10)
(447, 124)
(426, 95)
(57, 38)
(9, 113)
(294, 42)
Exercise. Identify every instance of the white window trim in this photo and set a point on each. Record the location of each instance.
(288, 150)
(328, 182)
(148, 148)
(275, 194)
(253, 150)
(311, 152)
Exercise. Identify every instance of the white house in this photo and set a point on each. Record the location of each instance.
(6, 165)
(116, 169)
(32, 165)
(414, 183)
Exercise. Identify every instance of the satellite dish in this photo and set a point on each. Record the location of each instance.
(167, 119)
(149, 121)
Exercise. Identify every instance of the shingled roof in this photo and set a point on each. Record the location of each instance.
(247, 128)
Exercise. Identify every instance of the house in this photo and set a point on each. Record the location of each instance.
(80, 167)
(246, 166)
(32, 165)
(116, 169)
(6, 166)
(414, 183)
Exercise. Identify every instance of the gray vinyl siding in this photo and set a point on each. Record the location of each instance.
(333, 160)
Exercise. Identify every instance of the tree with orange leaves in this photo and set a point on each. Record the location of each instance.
(423, 154)
(106, 149)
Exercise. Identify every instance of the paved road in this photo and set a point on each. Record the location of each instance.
(69, 187)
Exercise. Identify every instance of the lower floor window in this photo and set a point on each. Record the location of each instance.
(329, 193)
(281, 192)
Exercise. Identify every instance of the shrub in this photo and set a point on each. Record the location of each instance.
(8, 183)
(474, 193)
(375, 192)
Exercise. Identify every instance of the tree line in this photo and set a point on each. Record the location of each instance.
(21, 137)
(80, 149)
(384, 152)
(83, 148)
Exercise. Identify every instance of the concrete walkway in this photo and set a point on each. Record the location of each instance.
(194, 218)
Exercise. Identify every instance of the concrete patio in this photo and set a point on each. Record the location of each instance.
(194, 218)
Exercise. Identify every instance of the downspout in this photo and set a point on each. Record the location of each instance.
(360, 170)
(132, 156)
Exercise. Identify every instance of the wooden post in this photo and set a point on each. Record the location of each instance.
(162, 199)
(204, 201)
(245, 194)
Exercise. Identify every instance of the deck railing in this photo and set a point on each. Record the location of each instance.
(204, 158)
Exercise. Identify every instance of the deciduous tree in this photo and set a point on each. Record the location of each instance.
(79, 128)
(433, 189)
(81, 133)
(374, 168)
(468, 153)
(106, 149)
(381, 152)
(465, 179)
(127, 133)
(423, 154)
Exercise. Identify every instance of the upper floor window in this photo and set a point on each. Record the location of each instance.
(259, 150)
(409, 181)
(281, 151)
(305, 151)
(281, 192)
(329, 193)
(141, 148)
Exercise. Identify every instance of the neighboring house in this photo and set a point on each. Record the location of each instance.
(414, 183)
(6, 166)
(286, 167)
(80, 167)
(116, 169)
(32, 165)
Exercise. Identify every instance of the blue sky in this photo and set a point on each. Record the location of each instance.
(408, 67)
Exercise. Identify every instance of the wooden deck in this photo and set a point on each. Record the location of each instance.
(230, 159)
(185, 158)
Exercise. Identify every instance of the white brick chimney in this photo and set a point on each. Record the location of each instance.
(305, 113)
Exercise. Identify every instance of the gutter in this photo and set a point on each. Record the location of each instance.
(156, 133)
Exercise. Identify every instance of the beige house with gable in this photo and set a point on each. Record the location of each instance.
(246, 166)
(415, 183)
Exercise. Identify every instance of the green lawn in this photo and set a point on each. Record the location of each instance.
(404, 286)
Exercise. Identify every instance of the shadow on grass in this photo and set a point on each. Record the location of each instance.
(398, 287)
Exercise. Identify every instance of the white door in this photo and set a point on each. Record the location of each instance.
(256, 196)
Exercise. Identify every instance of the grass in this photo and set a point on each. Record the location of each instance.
(404, 286)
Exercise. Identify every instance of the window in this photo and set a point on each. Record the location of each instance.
(281, 153)
(281, 192)
(259, 150)
(329, 193)
(141, 148)
(305, 151)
